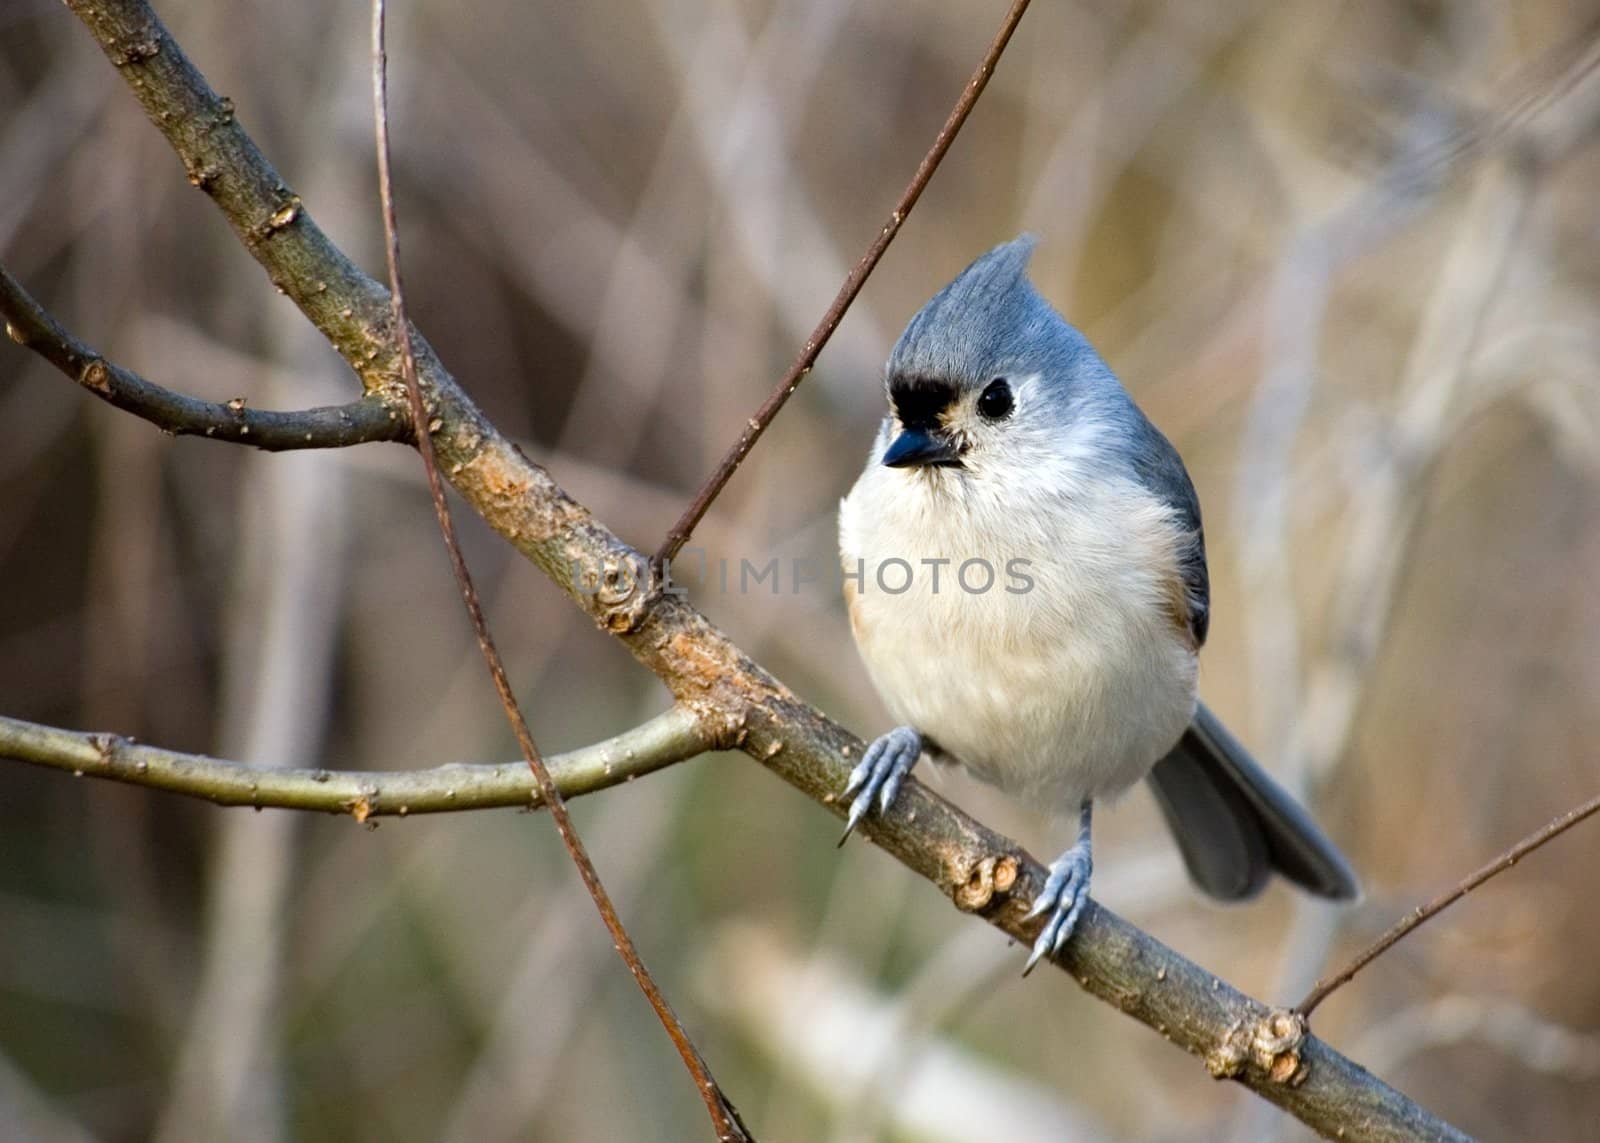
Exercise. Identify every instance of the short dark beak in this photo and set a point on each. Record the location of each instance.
(917, 448)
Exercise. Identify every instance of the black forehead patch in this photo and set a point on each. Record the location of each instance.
(918, 401)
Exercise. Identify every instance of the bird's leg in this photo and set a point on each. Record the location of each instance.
(881, 770)
(1065, 892)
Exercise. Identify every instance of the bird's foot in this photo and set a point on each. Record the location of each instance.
(879, 774)
(1065, 893)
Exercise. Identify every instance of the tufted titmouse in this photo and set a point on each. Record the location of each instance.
(1014, 461)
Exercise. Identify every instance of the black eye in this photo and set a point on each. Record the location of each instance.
(995, 402)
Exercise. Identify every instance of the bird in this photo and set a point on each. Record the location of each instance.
(1024, 567)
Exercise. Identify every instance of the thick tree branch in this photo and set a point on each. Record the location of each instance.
(672, 736)
(30, 325)
(982, 872)
(345, 305)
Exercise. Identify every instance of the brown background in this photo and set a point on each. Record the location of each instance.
(1357, 294)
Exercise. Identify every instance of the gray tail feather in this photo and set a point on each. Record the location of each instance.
(1235, 826)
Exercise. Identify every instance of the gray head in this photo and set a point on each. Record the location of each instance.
(987, 367)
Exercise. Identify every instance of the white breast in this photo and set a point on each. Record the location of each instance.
(1070, 689)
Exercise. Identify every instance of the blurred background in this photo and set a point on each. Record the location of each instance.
(1345, 254)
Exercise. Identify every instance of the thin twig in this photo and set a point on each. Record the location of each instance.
(724, 1118)
(30, 325)
(1329, 985)
(684, 528)
(673, 736)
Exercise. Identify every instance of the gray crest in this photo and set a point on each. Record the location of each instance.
(973, 324)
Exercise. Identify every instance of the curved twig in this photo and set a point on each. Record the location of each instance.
(724, 1116)
(684, 528)
(1548, 832)
(675, 735)
(335, 426)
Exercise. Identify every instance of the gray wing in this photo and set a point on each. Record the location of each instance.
(1235, 825)
(1159, 468)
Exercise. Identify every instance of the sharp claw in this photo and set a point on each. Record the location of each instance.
(858, 810)
(862, 775)
(1068, 924)
(1051, 938)
(1044, 943)
(1064, 895)
(1036, 956)
(878, 776)
(887, 795)
(1055, 934)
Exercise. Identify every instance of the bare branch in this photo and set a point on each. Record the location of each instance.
(718, 480)
(220, 158)
(982, 872)
(673, 736)
(1548, 832)
(724, 1116)
(30, 325)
